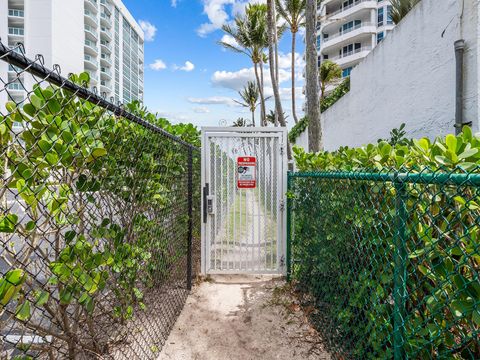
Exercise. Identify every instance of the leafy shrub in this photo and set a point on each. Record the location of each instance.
(344, 247)
(298, 129)
(336, 95)
(95, 222)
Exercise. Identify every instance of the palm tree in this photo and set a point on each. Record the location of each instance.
(400, 8)
(272, 27)
(249, 33)
(329, 72)
(240, 122)
(250, 95)
(313, 101)
(293, 11)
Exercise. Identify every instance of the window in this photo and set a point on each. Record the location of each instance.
(380, 37)
(350, 26)
(346, 72)
(325, 57)
(380, 16)
(389, 15)
(319, 41)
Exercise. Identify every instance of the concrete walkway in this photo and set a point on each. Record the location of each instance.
(242, 318)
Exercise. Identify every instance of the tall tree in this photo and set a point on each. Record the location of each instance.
(272, 27)
(249, 33)
(329, 73)
(313, 99)
(400, 8)
(293, 11)
(250, 95)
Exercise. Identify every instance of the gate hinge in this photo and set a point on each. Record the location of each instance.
(282, 205)
(282, 149)
(282, 261)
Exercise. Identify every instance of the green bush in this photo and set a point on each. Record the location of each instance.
(344, 247)
(335, 95)
(99, 225)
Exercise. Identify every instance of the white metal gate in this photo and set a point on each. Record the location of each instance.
(243, 229)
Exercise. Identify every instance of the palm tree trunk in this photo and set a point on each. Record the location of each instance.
(260, 88)
(294, 111)
(271, 55)
(253, 117)
(313, 102)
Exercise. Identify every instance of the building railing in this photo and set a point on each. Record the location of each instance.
(16, 13)
(349, 30)
(352, 52)
(16, 31)
(348, 7)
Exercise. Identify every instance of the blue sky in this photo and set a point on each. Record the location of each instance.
(188, 76)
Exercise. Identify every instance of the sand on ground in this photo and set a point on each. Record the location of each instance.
(242, 317)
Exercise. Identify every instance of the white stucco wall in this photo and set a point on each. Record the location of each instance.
(410, 78)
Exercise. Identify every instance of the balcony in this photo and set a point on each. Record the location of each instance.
(351, 57)
(345, 10)
(365, 29)
(106, 20)
(16, 13)
(15, 86)
(91, 47)
(106, 60)
(16, 31)
(90, 62)
(91, 32)
(106, 46)
(105, 74)
(91, 5)
(90, 17)
(106, 34)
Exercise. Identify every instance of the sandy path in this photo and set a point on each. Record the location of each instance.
(240, 317)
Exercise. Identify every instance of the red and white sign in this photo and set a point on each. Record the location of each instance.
(247, 172)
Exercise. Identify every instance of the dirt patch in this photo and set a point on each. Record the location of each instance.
(244, 318)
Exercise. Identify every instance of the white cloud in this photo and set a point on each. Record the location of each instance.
(230, 40)
(174, 3)
(149, 29)
(236, 80)
(213, 100)
(158, 65)
(189, 66)
(201, 110)
(219, 12)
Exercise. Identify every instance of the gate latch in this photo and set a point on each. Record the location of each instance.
(282, 205)
(210, 204)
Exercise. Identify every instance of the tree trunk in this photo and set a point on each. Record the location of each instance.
(294, 111)
(271, 58)
(260, 89)
(313, 101)
(253, 117)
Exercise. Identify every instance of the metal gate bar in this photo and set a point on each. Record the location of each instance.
(243, 231)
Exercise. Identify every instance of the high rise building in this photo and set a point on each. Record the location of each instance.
(97, 36)
(349, 29)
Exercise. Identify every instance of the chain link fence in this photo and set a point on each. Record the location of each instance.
(387, 263)
(99, 229)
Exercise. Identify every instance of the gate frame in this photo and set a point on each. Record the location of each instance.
(282, 134)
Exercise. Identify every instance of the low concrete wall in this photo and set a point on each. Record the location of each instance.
(410, 78)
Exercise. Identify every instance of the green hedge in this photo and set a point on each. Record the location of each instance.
(345, 248)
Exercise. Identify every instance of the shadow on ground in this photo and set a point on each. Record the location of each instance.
(242, 317)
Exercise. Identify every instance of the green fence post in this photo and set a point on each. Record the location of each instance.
(289, 227)
(400, 270)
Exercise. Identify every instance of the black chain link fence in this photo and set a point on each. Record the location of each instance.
(99, 229)
(388, 262)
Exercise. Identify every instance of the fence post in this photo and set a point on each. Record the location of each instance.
(190, 219)
(400, 270)
(289, 226)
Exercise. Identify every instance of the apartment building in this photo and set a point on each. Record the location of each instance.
(97, 36)
(349, 29)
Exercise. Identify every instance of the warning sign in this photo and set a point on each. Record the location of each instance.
(247, 172)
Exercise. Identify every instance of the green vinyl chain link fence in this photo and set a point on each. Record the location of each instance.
(388, 262)
(99, 219)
